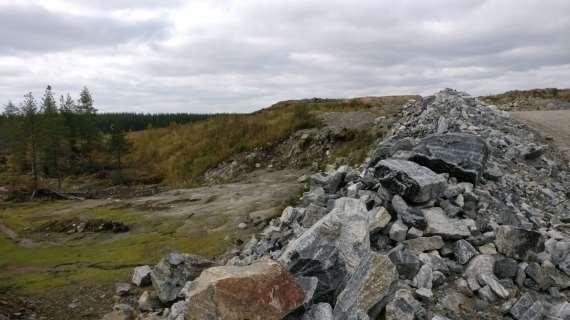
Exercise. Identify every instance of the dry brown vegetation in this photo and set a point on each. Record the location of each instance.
(180, 154)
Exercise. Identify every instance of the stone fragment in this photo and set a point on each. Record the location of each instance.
(263, 290)
(561, 256)
(436, 262)
(463, 156)
(559, 278)
(330, 182)
(308, 285)
(172, 272)
(367, 289)
(141, 276)
(316, 196)
(378, 219)
(332, 248)
(480, 264)
(412, 217)
(410, 180)
(319, 311)
(120, 311)
(506, 268)
(488, 248)
(438, 279)
(517, 242)
(312, 214)
(148, 301)
(404, 307)
(526, 308)
(536, 273)
(464, 251)
(178, 311)
(414, 233)
(423, 244)
(398, 231)
(424, 294)
(487, 294)
(493, 283)
(424, 277)
(521, 274)
(439, 224)
(406, 262)
(123, 289)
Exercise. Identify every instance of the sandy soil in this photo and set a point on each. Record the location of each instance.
(555, 124)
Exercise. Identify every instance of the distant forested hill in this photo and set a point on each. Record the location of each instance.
(140, 121)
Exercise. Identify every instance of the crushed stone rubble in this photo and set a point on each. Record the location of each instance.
(461, 213)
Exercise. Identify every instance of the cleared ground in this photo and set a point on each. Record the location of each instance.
(78, 269)
(555, 124)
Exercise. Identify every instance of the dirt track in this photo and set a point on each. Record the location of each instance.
(555, 124)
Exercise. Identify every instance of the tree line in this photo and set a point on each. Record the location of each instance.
(54, 138)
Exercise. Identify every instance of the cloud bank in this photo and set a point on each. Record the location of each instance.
(242, 55)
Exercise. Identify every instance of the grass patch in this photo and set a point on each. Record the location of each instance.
(99, 258)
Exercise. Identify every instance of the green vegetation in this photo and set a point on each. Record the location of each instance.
(60, 260)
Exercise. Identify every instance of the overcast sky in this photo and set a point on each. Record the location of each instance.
(242, 55)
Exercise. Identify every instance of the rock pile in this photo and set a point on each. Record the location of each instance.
(449, 218)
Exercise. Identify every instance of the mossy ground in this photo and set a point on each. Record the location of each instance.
(62, 260)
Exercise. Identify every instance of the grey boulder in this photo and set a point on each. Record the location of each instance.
(172, 272)
(439, 224)
(463, 156)
(141, 276)
(319, 311)
(367, 290)
(526, 308)
(410, 180)
(412, 217)
(407, 263)
(464, 251)
(517, 242)
(333, 248)
(423, 244)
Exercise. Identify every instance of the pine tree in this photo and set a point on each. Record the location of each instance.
(70, 130)
(10, 110)
(118, 145)
(31, 127)
(88, 133)
(53, 131)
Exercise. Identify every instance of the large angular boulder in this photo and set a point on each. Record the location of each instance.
(333, 248)
(367, 290)
(462, 155)
(263, 290)
(172, 272)
(410, 180)
(517, 242)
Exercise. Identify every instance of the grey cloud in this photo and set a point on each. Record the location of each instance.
(260, 52)
(35, 29)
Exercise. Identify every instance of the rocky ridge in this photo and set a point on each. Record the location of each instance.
(461, 213)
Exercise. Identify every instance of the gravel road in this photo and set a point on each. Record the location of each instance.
(555, 124)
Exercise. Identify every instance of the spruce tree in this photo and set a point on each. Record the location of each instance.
(118, 145)
(10, 110)
(31, 139)
(53, 131)
(88, 133)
